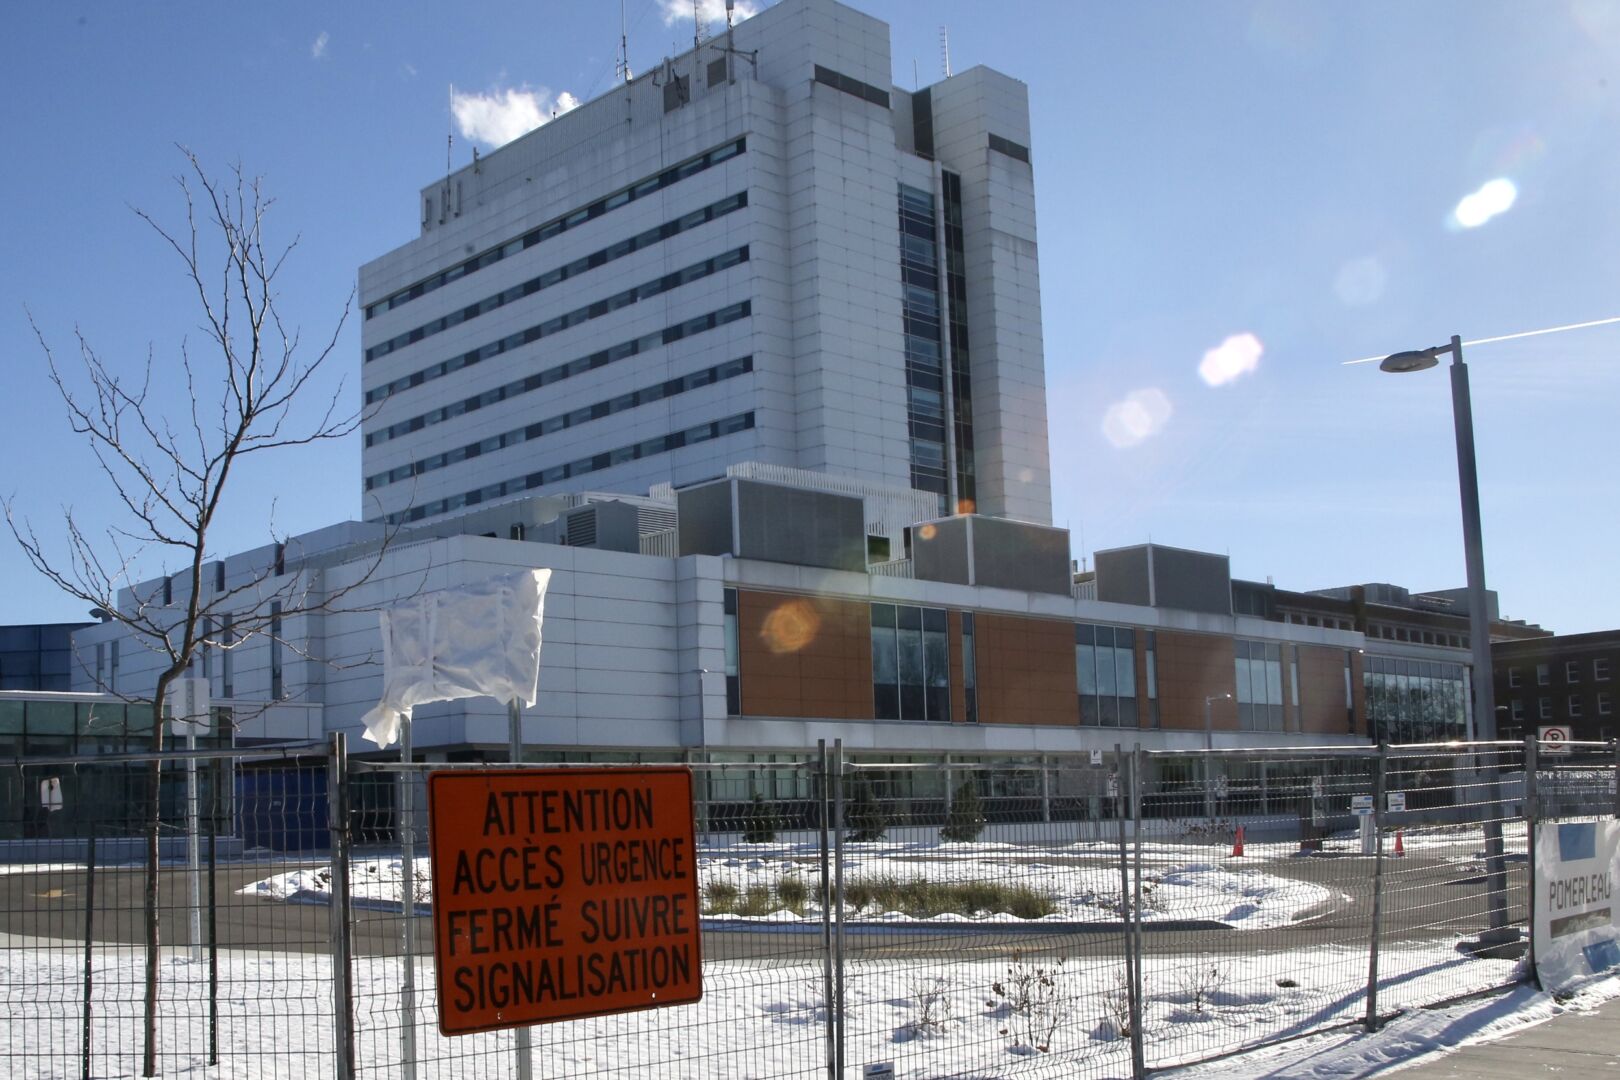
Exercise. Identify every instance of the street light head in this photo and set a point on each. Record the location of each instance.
(1418, 360)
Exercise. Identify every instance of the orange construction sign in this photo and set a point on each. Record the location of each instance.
(562, 893)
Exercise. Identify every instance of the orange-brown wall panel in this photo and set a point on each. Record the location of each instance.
(958, 687)
(1191, 668)
(1025, 670)
(804, 656)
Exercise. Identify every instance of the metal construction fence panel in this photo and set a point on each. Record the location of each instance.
(1102, 915)
(242, 972)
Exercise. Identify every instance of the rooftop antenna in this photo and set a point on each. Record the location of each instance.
(697, 25)
(731, 9)
(945, 49)
(622, 68)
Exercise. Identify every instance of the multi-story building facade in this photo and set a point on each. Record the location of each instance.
(37, 656)
(759, 251)
(1571, 680)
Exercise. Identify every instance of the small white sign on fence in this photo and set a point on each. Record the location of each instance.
(1396, 802)
(1555, 738)
(1361, 805)
(882, 1070)
(1096, 757)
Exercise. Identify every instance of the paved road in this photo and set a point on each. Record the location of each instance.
(1425, 899)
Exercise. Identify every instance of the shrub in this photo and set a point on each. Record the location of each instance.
(966, 819)
(720, 898)
(866, 817)
(1200, 983)
(1033, 994)
(760, 822)
(793, 893)
(756, 901)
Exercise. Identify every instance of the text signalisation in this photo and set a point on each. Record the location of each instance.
(1577, 924)
(560, 894)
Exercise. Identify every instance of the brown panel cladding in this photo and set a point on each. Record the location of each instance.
(1191, 668)
(804, 656)
(1144, 706)
(1025, 670)
(1358, 692)
(1321, 690)
(958, 686)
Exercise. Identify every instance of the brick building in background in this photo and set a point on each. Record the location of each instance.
(1569, 680)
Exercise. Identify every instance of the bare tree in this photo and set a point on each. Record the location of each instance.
(246, 394)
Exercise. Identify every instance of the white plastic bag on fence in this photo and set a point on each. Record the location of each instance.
(472, 641)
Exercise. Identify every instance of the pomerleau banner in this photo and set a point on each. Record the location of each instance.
(1577, 925)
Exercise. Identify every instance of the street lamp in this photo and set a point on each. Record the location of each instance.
(1209, 745)
(1479, 623)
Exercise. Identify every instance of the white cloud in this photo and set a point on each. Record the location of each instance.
(498, 117)
(1236, 356)
(1492, 198)
(317, 49)
(1140, 416)
(710, 11)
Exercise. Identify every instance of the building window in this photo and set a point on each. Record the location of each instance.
(1573, 708)
(1415, 700)
(1544, 708)
(227, 638)
(1543, 675)
(1293, 682)
(1514, 678)
(970, 669)
(112, 677)
(1259, 685)
(101, 664)
(1516, 710)
(1105, 675)
(1151, 666)
(733, 682)
(961, 359)
(1572, 671)
(1604, 705)
(920, 317)
(275, 650)
(1600, 669)
(911, 663)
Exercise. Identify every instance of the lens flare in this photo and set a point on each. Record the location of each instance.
(1233, 358)
(1493, 197)
(1140, 416)
(790, 627)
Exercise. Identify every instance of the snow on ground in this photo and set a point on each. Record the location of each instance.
(1416, 1036)
(933, 1017)
(1178, 883)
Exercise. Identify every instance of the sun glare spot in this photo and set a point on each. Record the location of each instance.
(790, 627)
(1140, 416)
(1493, 197)
(1238, 355)
(927, 532)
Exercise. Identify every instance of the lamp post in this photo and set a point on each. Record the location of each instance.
(1479, 623)
(1209, 758)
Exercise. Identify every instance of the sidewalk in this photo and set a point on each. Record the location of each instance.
(1573, 1045)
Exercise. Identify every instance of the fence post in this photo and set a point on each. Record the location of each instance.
(1614, 778)
(835, 1007)
(1138, 1037)
(826, 898)
(522, 1046)
(337, 821)
(89, 944)
(1532, 817)
(407, 896)
(1380, 793)
(213, 911)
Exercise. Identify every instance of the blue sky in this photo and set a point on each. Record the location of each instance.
(1281, 176)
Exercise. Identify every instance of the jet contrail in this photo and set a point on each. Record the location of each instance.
(1509, 337)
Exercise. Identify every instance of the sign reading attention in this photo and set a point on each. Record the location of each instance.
(561, 894)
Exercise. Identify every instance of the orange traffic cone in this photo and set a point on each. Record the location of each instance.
(1400, 848)
(1237, 844)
